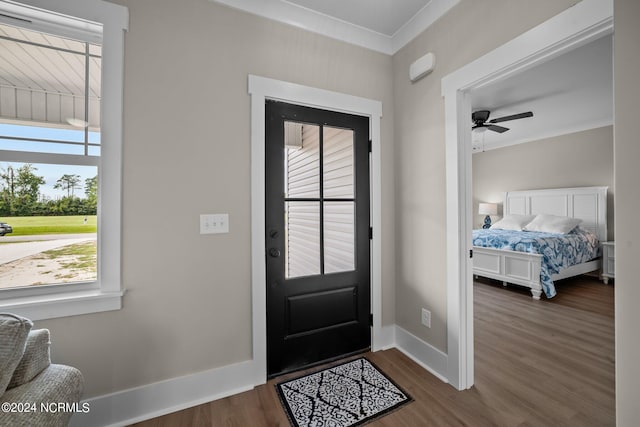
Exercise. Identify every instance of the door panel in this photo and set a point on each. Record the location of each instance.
(306, 312)
(317, 222)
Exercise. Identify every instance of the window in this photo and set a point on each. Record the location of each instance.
(50, 112)
(304, 255)
(59, 173)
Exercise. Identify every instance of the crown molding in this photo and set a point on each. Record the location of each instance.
(420, 22)
(329, 26)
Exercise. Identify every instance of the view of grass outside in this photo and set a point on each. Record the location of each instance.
(34, 225)
(53, 237)
(48, 250)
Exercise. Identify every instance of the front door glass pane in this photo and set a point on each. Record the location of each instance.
(337, 157)
(302, 252)
(339, 237)
(302, 160)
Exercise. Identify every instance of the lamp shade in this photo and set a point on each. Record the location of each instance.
(488, 209)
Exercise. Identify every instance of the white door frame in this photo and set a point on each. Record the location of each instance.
(580, 24)
(261, 89)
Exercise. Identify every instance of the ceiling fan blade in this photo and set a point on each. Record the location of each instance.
(498, 129)
(513, 117)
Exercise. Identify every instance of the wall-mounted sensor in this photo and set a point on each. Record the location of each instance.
(422, 67)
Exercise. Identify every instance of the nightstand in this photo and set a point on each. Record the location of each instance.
(608, 261)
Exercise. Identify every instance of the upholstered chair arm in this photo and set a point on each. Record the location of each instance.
(35, 359)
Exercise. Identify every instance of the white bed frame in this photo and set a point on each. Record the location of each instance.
(586, 203)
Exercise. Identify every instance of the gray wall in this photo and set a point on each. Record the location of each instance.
(466, 32)
(187, 134)
(186, 152)
(579, 159)
(627, 176)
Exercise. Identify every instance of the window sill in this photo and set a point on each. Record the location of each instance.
(63, 305)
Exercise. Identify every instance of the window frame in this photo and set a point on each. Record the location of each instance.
(57, 16)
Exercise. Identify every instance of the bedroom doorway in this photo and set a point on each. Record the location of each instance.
(317, 240)
(576, 26)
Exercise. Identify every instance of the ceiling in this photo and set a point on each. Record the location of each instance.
(381, 25)
(570, 93)
(382, 16)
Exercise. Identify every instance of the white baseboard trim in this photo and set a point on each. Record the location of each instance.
(161, 398)
(387, 338)
(153, 400)
(424, 354)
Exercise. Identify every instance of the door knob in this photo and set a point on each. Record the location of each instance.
(274, 252)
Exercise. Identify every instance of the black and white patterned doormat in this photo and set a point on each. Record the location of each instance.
(350, 394)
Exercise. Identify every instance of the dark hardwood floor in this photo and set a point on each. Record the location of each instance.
(537, 363)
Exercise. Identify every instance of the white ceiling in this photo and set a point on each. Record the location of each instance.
(381, 25)
(571, 93)
(382, 16)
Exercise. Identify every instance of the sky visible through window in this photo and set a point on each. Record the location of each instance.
(51, 173)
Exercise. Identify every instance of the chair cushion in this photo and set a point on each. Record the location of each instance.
(13, 337)
(56, 384)
(35, 359)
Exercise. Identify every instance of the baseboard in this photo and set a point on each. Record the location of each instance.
(387, 338)
(423, 353)
(153, 400)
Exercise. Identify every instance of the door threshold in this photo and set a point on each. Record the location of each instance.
(341, 357)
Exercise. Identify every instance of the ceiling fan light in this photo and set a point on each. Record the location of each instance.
(479, 129)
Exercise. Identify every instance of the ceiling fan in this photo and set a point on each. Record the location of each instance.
(481, 124)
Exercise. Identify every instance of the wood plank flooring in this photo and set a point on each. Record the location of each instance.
(537, 363)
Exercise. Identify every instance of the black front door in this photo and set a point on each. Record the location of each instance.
(317, 225)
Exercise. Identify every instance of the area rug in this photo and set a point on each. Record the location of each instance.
(350, 394)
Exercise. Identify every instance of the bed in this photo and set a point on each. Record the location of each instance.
(530, 261)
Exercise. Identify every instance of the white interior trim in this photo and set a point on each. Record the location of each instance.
(137, 404)
(260, 89)
(423, 353)
(44, 21)
(586, 21)
(115, 21)
(420, 22)
(315, 22)
(326, 25)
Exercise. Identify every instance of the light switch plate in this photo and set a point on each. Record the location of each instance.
(214, 223)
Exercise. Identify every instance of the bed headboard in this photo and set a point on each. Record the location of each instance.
(586, 203)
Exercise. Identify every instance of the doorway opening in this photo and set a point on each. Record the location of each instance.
(575, 27)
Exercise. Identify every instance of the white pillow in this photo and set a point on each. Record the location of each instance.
(512, 222)
(552, 224)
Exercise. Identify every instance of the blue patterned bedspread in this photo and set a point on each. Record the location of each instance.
(558, 250)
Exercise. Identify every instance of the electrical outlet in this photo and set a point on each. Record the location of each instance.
(214, 223)
(426, 317)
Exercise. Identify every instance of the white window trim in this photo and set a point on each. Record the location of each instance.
(64, 300)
